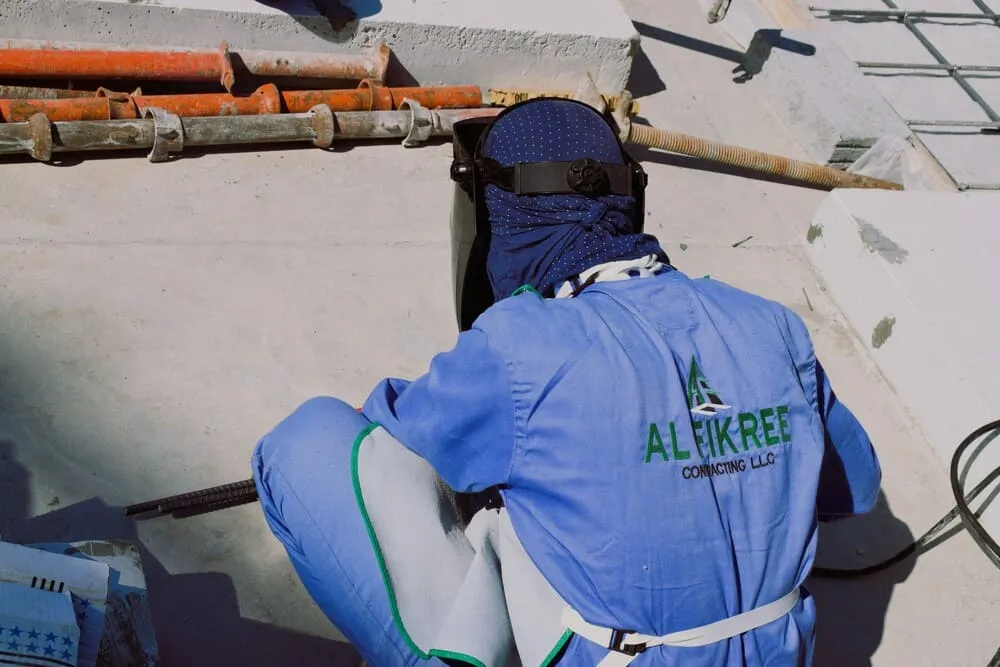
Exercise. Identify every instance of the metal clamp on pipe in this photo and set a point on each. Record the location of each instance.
(168, 134)
(621, 116)
(323, 125)
(40, 130)
(421, 123)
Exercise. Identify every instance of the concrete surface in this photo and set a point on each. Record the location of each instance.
(920, 296)
(515, 43)
(158, 319)
(839, 100)
(798, 68)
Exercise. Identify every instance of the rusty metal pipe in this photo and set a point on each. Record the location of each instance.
(34, 93)
(85, 108)
(351, 67)
(190, 65)
(265, 100)
(166, 133)
(373, 97)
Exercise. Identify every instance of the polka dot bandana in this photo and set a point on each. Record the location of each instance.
(542, 240)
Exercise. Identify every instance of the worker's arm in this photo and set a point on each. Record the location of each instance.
(459, 416)
(850, 476)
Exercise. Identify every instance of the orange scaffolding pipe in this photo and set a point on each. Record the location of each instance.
(72, 63)
(267, 99)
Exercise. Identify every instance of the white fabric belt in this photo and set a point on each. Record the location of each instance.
(625, 646)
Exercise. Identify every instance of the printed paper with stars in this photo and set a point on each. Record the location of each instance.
(37, 627)
(84, 581)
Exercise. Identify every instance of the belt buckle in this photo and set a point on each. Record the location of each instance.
(617, 643)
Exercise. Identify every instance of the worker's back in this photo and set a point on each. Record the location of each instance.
(667, 458)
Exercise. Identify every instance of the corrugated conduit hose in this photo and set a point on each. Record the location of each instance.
(746, 158)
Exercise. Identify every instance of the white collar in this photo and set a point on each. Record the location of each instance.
(643, 267)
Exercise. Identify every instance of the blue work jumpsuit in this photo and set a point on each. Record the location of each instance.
(664, 446)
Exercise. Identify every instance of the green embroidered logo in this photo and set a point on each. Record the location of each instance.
(702, 399)
(725, 444)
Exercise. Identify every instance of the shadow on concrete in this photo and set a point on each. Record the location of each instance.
(685, 42)
(748, 64)
(644, 154)
(196, 617)
(851, 612)
(332, 20)
(759, 51)
(644, 80)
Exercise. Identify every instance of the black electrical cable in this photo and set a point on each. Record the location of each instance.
(961, 510)
(971, 521)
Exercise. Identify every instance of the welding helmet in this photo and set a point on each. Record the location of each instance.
(590, 166)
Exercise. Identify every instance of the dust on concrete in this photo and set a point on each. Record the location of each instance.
(876, 241)
(882, 331)
(815, 231)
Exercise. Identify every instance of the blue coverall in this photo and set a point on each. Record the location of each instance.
(664, 445)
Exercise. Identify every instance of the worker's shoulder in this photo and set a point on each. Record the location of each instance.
(739, 303)
(527, 315)
(725, 294)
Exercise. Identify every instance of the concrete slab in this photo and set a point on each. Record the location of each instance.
(824, 97)
(917, 294)
(518, 43)
(157, 319)
(797, 68)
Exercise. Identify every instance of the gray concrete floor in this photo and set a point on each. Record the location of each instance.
(158, 319)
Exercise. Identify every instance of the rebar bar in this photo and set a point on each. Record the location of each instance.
(198, 502)
(985, 125)
(900, 13)
(223, 492)
(167, 133)
(73, 63)
(955, 74)
(928, 66)
(267, 99)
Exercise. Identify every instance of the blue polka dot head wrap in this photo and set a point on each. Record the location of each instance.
(543, 240)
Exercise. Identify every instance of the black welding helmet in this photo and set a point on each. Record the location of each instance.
(544, 190)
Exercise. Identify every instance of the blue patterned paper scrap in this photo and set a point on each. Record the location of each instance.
(37, 627)
(86, 581)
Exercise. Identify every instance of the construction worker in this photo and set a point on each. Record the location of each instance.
(616, 464)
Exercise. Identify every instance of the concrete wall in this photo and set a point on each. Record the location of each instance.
(916, 275)
(514, 43)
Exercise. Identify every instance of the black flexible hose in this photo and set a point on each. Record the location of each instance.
(971, 521)
(961, 509)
